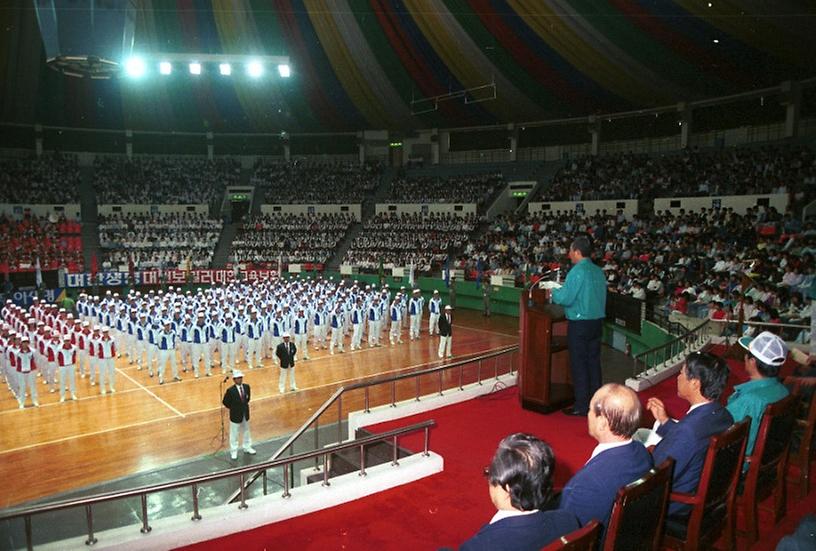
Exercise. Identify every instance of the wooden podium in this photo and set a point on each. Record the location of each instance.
(544, 379)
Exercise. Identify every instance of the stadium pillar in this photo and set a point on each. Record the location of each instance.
(210, 146)
(435, 146)
(38, 139)
(129, 143)
(595, 132)
(686, 123)
(513, 141)
(287, 153)
(791, 98)
(361, 147)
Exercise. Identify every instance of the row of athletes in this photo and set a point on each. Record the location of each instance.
(39, 347)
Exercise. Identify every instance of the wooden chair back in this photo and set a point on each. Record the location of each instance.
(801, 454)
(583, 539)
(639, 511)
(713, 505)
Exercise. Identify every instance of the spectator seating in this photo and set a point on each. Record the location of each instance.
(475, 188)
(400, 240)
(299, 181)
(171, 240)
(734, 171)
(156, 180)
(50, 179)
(290, 238)
(56, 243)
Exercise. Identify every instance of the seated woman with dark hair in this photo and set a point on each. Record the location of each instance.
(520, 486)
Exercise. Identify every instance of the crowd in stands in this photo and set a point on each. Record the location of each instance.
(55, 242)
(424, 240)
(302, 181)
(156, 180)
(52, 178)
(734, 171)
(477, 188)
(169, 240)
(691, 262)
(289, 238)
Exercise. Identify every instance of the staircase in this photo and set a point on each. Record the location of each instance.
(89, 216)
(221, 255)
(333, 264)
(348, 461)
(543, 174)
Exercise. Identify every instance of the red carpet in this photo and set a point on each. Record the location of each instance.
(445, 509)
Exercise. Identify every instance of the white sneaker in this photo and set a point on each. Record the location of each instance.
(73, 397)
(36, 404)
(62, 399)
(250, 451)
(233, 455)
(281, 389)
(22, 406)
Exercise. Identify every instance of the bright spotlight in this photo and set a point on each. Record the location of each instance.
(255, 69)
(285, 71)
(135, 67)
(165, 67)
(195, 68)
(225, 69)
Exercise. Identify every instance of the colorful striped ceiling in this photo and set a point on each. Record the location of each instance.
(358, 63)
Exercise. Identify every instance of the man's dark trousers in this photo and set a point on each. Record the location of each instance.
(584, 343)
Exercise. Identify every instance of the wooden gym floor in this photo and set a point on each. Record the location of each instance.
(60, 447)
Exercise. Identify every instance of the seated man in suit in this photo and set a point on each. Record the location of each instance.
(614, 416)
(701, 382)
(520, 484)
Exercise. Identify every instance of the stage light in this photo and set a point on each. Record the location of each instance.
(195, 68)
(165, 67)
(285, 71)
(255, 69)
(135, 67)
(225, 69)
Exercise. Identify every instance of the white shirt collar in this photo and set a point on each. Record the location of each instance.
(503, 514)
(603, 447)
(695, 406)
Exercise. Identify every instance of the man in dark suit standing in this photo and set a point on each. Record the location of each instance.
(701, 382)
(520, 485)
(617, 460)
(286, 352)
(446, 333)
(236, 399)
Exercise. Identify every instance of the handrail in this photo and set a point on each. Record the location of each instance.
(366, 384)
(684, 338)
(195, 481)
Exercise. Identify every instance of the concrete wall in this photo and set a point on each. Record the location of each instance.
(740, 203)
(16, 211)
(630, 206)
(411, 208)
(105, 210)
(354, 210)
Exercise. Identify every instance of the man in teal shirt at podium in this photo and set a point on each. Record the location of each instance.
(583, 297)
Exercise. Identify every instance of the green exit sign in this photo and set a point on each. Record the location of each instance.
(239, 197)
(519, 194)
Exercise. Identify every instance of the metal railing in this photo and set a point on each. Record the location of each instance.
(664, 352)
(26, 513)
(337, 397)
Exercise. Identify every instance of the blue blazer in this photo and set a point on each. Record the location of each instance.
(591, 492)
(687, 442)
(525, 532)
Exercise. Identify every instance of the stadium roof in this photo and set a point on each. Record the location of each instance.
(379, 63)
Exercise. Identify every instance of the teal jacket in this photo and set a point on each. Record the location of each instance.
(583, 295)
(749, 400)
